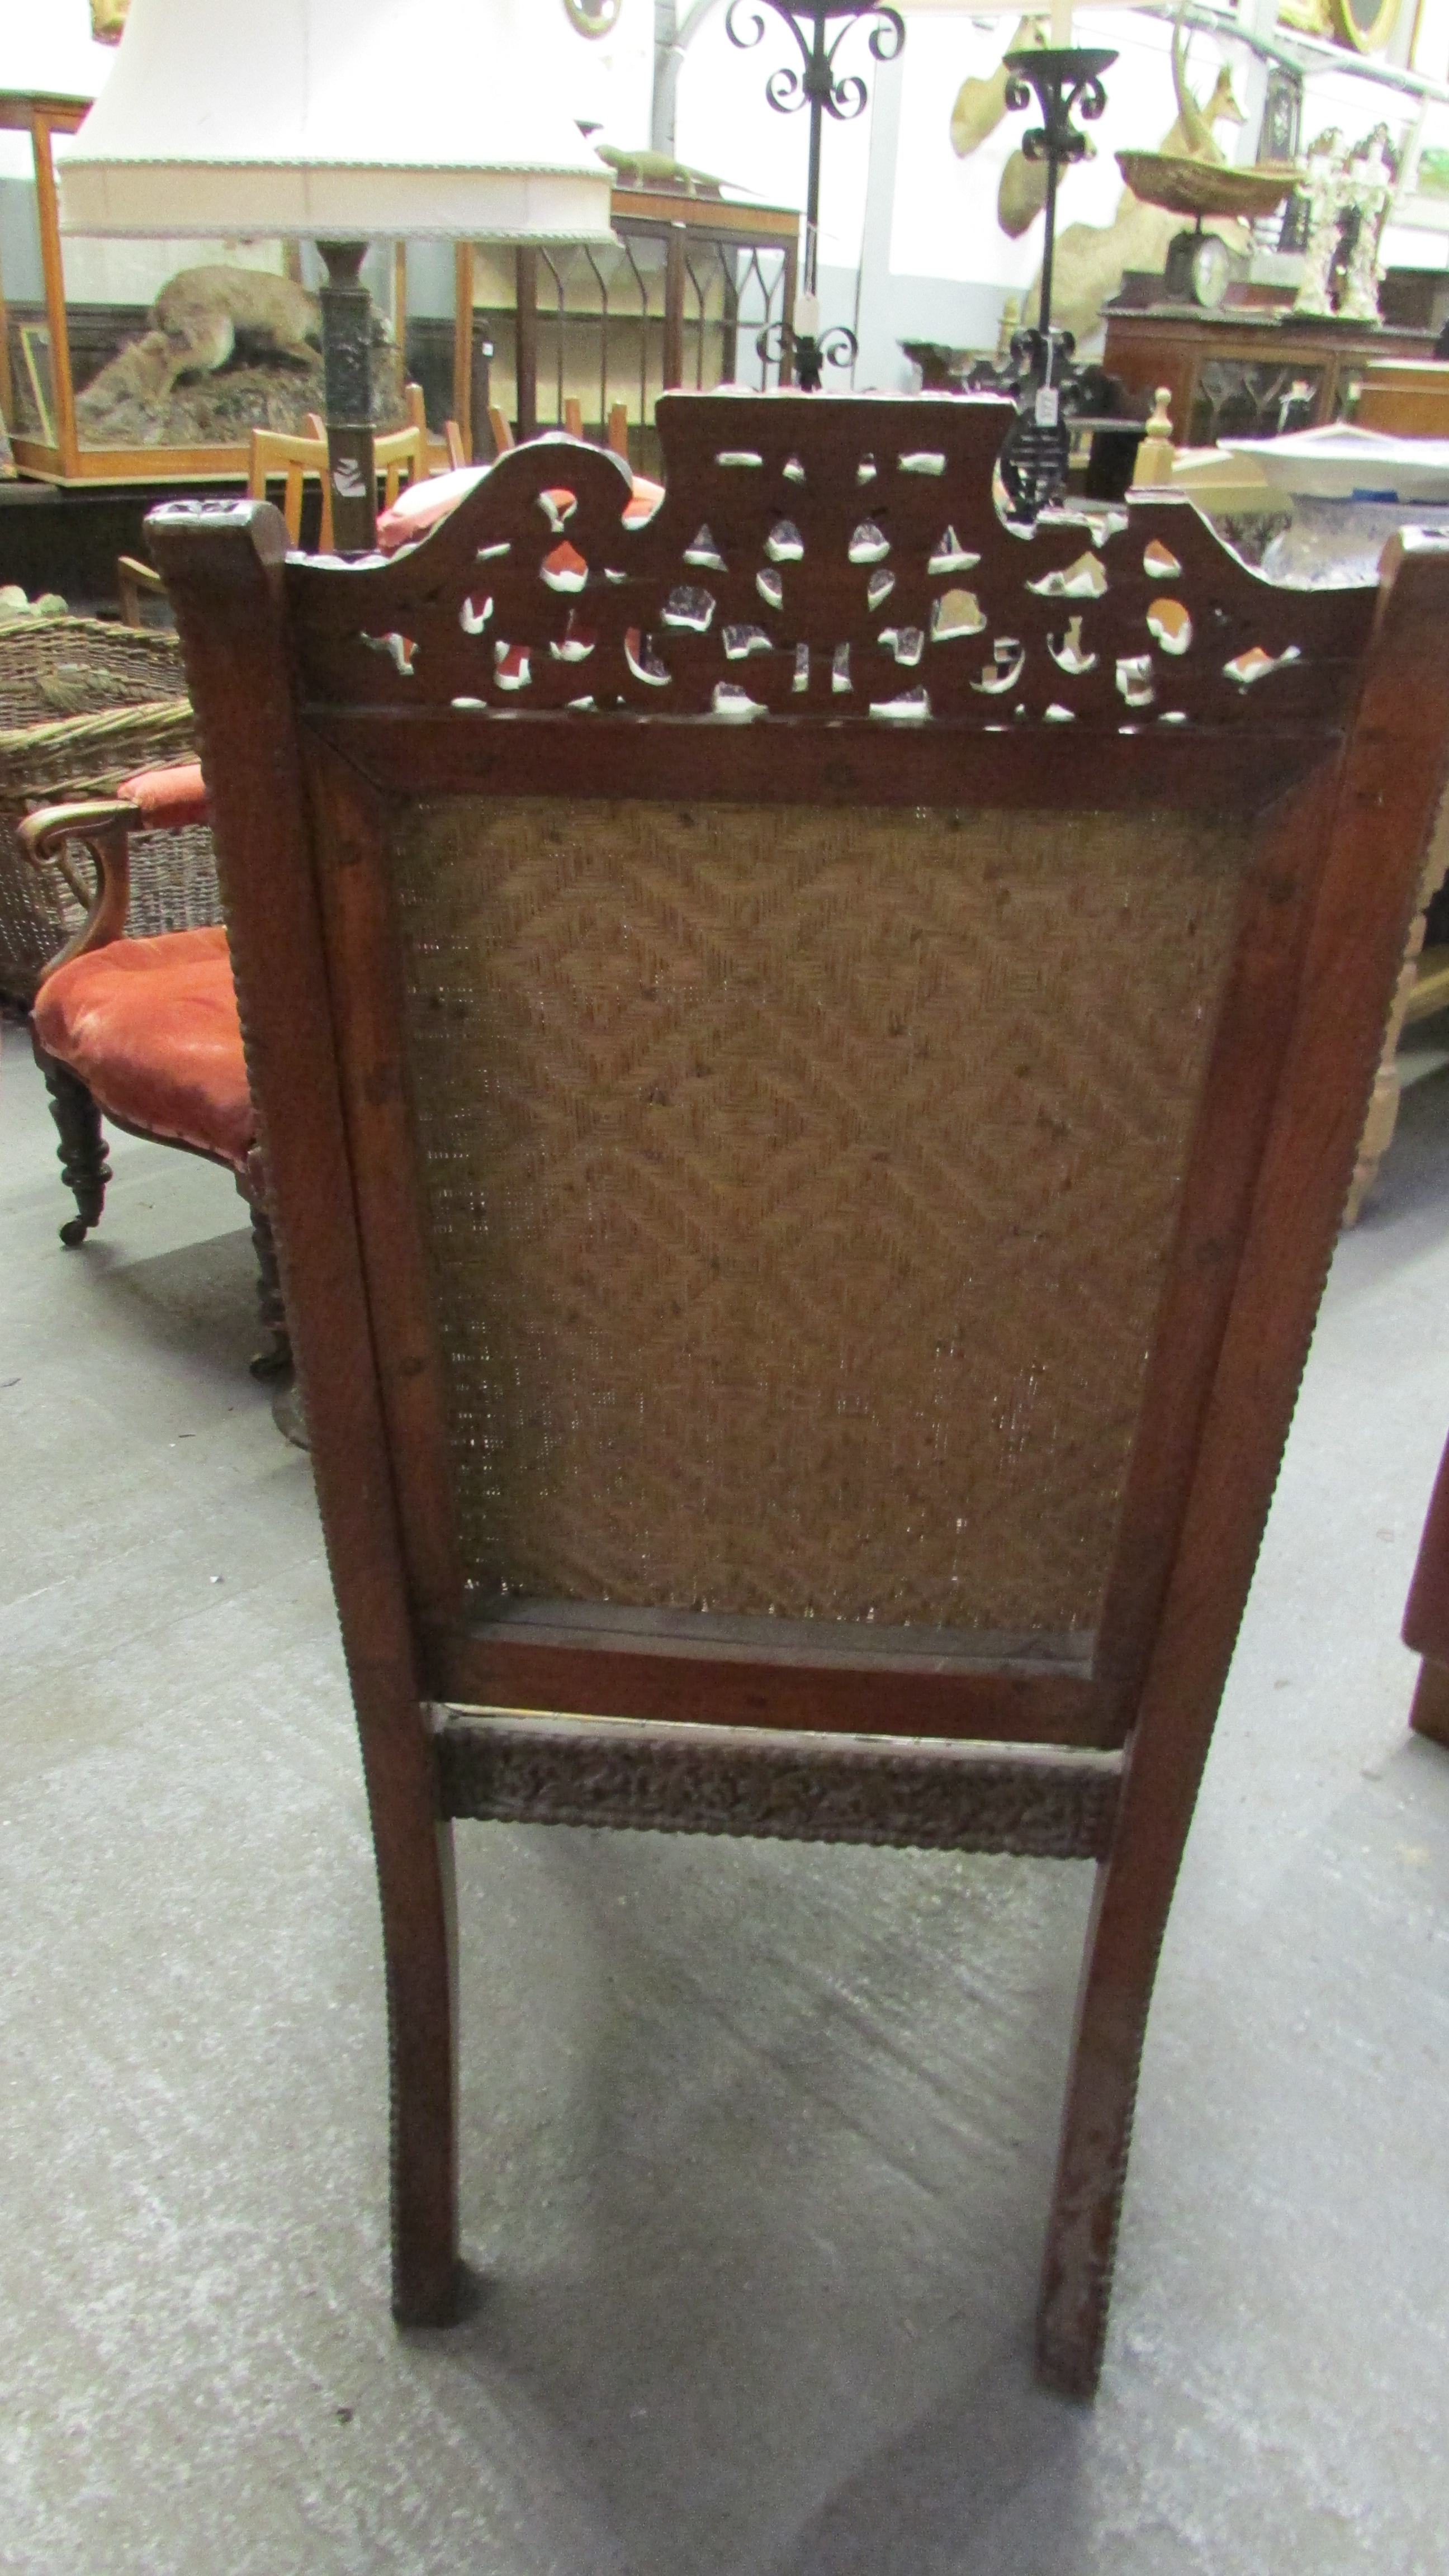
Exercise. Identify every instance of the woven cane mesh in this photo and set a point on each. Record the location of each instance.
(798, 1188)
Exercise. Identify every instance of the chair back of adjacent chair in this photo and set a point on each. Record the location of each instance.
(293, 457)
(812, 1052)
(400, 455)
(1407, 398)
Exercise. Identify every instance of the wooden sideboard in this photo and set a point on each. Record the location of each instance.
(1230, 374)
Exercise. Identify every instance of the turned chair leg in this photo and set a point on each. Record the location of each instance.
(83, 1164)
(275, 1356)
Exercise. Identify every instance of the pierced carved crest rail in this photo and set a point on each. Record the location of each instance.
(824, 561)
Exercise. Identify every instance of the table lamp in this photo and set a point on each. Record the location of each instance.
(340, 121)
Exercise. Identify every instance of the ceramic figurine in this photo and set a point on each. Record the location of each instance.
(1368, 190)
(1324, 189)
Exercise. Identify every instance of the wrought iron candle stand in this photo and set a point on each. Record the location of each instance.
(827, 93)
(1041, 373)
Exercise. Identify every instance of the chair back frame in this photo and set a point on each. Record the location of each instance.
(1317, 723)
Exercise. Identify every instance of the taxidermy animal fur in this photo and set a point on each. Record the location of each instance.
(203, 314)
(1092, 258)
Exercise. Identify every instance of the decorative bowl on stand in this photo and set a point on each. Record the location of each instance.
(1197, 188)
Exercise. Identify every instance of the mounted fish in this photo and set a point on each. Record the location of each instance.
(981, 104)
(1091, 259)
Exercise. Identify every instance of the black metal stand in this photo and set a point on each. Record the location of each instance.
(1049, 388)
(818, 85)
(347, 376)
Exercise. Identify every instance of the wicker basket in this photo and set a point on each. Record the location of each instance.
(49, 755)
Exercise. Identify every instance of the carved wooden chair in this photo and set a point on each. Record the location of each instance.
(810, 1072)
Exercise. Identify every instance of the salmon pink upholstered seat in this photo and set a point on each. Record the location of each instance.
(102, 1014)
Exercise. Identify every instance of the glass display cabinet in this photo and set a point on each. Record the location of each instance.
(137, 362)
(145, 361)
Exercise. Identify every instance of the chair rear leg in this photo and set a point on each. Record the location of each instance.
(84, 1167)
(420, 1949)
(1429, 1715)
(1129, 1914)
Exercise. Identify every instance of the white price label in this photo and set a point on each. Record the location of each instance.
(1048, 406)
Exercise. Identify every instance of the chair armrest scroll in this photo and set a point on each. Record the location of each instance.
(103, 827)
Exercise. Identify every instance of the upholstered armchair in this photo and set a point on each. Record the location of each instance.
(145, 1032)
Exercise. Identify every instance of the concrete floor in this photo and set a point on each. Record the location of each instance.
(758, 2141)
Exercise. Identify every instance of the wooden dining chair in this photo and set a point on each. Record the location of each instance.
(400, 455)
(292, 457)
(810, 1069)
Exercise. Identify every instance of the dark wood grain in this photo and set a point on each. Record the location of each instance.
(523, 1665)
(845, 763)
(1254, 1020)
(364, 965)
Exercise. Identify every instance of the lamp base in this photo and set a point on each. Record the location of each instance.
(347, 328)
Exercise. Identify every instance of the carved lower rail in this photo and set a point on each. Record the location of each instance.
(1040, 1803)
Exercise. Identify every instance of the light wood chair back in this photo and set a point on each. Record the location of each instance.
(136, 583)
(400, 455)
(284, 453)
(803, 1225)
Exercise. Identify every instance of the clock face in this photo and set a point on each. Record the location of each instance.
(1212, 266)
(594, 17)
(1210, 269)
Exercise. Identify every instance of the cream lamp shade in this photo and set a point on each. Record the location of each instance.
(355, 119)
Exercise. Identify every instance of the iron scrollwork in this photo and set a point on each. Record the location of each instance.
(837, 347)
(1042, 376)
(818, 85)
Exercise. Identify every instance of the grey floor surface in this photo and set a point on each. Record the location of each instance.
(758, 2140)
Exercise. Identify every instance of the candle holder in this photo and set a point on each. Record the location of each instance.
(1049, 389)
(817, 85)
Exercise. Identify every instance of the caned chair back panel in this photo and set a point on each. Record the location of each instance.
(798, 1189)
